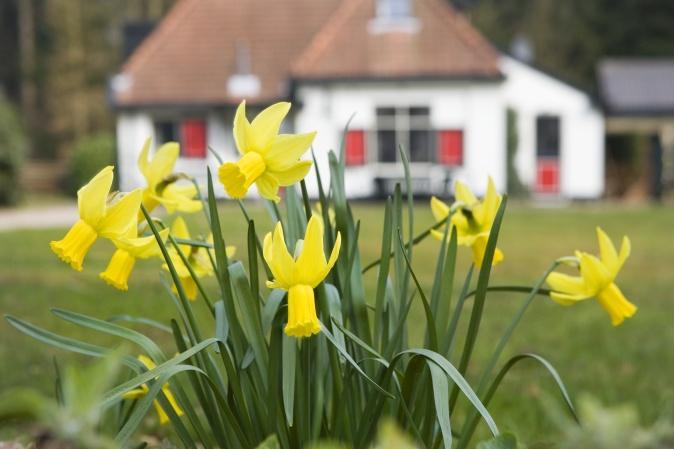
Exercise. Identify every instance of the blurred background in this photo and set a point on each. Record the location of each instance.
(569, 105)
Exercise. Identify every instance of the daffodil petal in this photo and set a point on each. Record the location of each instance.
(566, 299)
(144, 158)
(242, 131)
(287, 149)
(439, 209)
(311, 264)
(93, 196)
(625, 249)
(265, 126)
(292, 174)
(563, 283)
(143, 247)
(281, 262)
(268, 186)
(463, 193)
(162, 163)
(615, 303)
(121, 215)
(595, 274)
(607, 252)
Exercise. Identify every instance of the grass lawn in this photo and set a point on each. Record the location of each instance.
(631, 363)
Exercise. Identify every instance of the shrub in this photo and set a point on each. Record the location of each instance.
(12, 149)
(89, 155)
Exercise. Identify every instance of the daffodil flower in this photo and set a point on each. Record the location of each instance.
(473, 219)
(162, 185)
(129, 249)
(300, 275)
(143, 390)
(596, 280)
(98, 217)
(269, 159)
(319, 211)
(198, 258)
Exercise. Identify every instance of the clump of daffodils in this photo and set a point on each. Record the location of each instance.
(291, 347)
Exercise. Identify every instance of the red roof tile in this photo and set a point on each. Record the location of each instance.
(190, 57)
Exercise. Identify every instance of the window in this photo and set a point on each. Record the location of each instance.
(355, 147)
(193, 142)
(394, 9)
(547, 151)
(450, 147)
(409, 128)
(190, 133)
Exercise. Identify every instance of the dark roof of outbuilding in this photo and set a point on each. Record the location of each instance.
(637, 86)
(191, 55)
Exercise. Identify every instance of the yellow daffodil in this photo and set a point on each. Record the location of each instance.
(198, 258)
(269, 159)
(98, 217)
(596, 280)
(319, 211)
(473, 219)
(300, 275)
(162, 184)
(143, 389)
(129, 249)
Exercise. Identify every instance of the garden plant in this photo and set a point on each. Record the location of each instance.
(292, 350)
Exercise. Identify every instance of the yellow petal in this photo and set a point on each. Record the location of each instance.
(242, 131)
(311, 264)
(479, 248)
(144, 157)
(490, 205)
(161, 165)
(566, 299)
(596, 275)
(334, 254)
(172, 400)
(73, 248)
(625, 249)
(264, 128)
(119, 269)
(563, 283)
(439, 209)
(615, 303)
(230, 250)
(279, 259)
(287, 149)
(293, 174)
(607, 252)
(179, 229)
(180, 198)
(121, 216)
(463, 194)
(134, 394)
(268, 186)
(143, 247)
(93, 196)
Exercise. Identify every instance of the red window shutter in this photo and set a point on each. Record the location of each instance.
(355, 148)
(194, 138)
(547, 175)
(450, 147)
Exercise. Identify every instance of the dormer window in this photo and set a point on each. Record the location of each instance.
(393, 16)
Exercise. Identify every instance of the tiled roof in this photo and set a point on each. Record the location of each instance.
(637, 86)
(190, 57)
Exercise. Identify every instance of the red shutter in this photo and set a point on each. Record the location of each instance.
(547, 175)
(450, 147)
(194, 138)
(355, 148)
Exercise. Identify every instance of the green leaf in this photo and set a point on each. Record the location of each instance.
(441, 398)
(382, 276)
(503, 441)
(270, 443)
(288, 376)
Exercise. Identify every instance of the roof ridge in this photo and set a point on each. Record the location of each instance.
(322, 38)
(156, 38)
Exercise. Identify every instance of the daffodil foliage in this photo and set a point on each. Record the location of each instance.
(292, 349)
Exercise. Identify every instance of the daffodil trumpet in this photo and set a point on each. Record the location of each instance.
(163, 186)
(472, 219)
(124, 258)
(143, 390)
(268, 159)
(101, 215)
(596, 280)
(299, 275)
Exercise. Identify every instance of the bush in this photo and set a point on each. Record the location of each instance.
(12, 149)
(89, 156)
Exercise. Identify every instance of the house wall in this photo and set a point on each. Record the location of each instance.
(477, 108)
(133, 127)
(532, 93)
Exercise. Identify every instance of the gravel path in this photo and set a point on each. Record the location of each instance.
(38, 217)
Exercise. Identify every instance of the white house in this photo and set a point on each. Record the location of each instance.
(410, 73)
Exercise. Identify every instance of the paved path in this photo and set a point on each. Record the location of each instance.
(38, 217)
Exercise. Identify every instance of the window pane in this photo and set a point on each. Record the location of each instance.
(386, 142)
(166, 131)
(420, 145)
(547, 135)
(419, 111)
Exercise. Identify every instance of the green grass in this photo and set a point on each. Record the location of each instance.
(631, 363)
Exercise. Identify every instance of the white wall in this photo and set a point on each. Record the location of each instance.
(532, 93)
(134, 127)
(477, 108)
